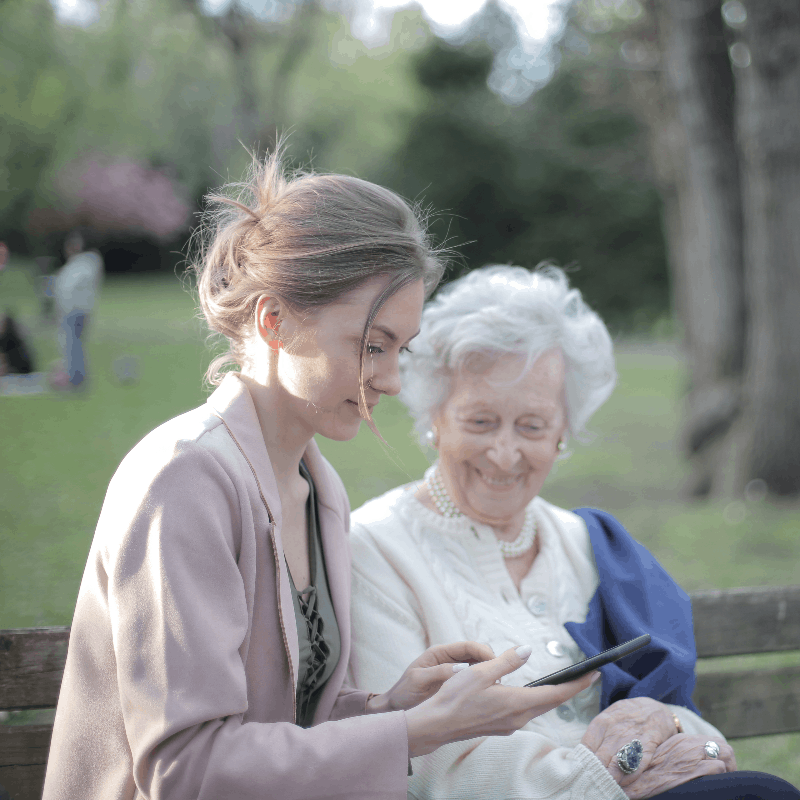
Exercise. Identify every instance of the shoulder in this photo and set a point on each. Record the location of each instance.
(191, 427)
(94, 262)
(79, 262)
(569, 525)
(183, 483)
(190, 444)
(579, 521)
(381, 515)
(622, 558)
(609, 536)
(381, 526)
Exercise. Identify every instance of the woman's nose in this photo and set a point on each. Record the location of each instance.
(504, 452)
(387, 380)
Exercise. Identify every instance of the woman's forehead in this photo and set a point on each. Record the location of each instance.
(508, 376)
(398, 317)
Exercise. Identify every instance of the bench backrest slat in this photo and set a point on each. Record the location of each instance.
(23, 759)
(750, 703)
(734, 622)
(31, 666)
(727, 622)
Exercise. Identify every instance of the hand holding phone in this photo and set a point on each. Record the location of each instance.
(590, 664)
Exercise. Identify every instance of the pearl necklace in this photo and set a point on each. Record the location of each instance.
(447, 508)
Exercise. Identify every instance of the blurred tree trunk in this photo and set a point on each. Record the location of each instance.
(726, 147)
(241, 31)
(768, 114)
(257, 119)
(298, 42)
(704, 228)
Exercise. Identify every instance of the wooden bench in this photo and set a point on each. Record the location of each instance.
(727, 623)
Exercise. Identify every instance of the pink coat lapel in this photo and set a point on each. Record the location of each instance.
(233, 404)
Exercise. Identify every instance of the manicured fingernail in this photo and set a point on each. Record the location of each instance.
(459, 667)
(524, 651)
(596, 676)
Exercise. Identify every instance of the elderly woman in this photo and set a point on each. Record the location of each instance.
(508, 365)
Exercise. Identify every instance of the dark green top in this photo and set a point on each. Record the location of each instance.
(317, 629)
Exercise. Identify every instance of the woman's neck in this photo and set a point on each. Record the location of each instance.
(285, 435)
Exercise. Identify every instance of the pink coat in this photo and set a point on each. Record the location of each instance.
(182, 666)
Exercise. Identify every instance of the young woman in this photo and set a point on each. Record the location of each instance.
(212, 629)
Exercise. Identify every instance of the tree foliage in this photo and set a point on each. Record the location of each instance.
(562, 177)
(160, 84)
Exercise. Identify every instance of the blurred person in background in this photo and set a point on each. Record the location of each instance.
(211, 635)
(15, 358)
(75, 290)
(46, 279)
(510, 363)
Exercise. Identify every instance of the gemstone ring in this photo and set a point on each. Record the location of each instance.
(629, 758)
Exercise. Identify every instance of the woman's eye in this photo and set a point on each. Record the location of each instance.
(373, 349)
(406, 350)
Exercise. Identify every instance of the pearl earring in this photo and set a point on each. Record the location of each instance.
(432, 437)
(561, 446)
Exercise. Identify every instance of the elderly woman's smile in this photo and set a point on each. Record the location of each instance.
(498, 434)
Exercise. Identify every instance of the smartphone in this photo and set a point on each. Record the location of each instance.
(590, 664)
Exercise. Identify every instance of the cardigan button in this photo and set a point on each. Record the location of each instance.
(565, 713)
(555, 648)
(537, 606)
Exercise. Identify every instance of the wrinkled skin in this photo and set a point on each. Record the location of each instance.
(678, 760)
(669, 758)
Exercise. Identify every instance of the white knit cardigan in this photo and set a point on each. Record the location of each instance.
(421, 579)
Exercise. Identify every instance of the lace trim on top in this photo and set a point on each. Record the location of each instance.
(320, 650)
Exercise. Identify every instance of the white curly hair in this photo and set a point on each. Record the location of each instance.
(499, 310)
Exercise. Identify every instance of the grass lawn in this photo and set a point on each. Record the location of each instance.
(58, 453)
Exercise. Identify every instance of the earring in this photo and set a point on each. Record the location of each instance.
(432, 437)
(561, 446)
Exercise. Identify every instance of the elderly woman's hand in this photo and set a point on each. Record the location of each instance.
(426, 674)
(639, 718)
(680, 759)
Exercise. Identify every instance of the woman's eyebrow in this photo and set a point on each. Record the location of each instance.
(389, 334)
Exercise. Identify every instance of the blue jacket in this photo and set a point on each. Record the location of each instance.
(636, 596)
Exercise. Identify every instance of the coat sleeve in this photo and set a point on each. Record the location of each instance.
(178, 614)
(387, 635)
